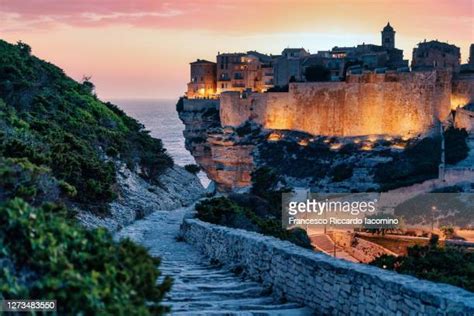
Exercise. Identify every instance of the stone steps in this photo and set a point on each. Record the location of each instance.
(200, 288)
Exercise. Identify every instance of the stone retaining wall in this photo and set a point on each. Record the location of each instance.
(200, 104)
(361, 249)
(329, 286)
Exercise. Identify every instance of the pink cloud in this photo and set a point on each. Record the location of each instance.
(224, 15)
(93, 13)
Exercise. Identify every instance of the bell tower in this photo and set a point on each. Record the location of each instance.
(388, 37)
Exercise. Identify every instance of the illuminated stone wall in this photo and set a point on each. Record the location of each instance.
(463, 90)
(391, 103)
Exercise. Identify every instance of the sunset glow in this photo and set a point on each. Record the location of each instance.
(143, 48)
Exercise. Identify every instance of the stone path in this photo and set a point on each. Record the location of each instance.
(200, 288)
(323, 243)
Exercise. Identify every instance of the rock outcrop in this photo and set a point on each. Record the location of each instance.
(175, 188)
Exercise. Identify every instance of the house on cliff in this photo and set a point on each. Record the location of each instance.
(202, 83)
(436, 55)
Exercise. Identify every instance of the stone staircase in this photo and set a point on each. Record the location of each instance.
(200, 288)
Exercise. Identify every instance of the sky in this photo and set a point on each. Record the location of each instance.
(142, 48)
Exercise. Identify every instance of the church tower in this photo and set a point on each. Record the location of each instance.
(388, 37)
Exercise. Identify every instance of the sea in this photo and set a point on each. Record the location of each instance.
(159, 116)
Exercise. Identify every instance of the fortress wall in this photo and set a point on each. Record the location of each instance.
(197, 105)
(329, 286)
(462, 91)
(465, 119)
(392, 103)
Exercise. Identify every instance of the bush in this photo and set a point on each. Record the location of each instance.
(446, 265)
(448, 231)
(418, 162)
(223, 211)
(456, 146)
(341, 172)
(192, 168)
(86, 271)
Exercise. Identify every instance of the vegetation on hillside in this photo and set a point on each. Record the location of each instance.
(259, 211)
(418, 162)
(59, 146)
(57, 123)
(456, 145)
(45, 257)
(440, 264)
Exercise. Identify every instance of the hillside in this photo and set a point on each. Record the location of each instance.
(66, 155)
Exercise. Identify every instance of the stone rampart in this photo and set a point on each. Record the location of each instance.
(200, 104)
(391, 103)
(327, 285)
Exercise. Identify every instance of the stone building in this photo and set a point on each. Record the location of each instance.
(436, 55)
(203, 80)
(288, 65)
(388, 37)
(294, 61)
(251, 71)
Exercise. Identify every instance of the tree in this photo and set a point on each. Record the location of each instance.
(87, 84)
(456, 146)
(192, 168)
(24, 48)
(448, 231)
(317, 73)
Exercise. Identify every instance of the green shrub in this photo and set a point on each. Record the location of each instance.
(456, 146)
(85, 271)
(447, 265)
(192, 168)
(418, 162)
(223, 211)
(341, 172)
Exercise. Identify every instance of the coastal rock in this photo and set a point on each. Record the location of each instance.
(137, 198)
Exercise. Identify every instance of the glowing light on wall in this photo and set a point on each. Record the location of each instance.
(458, 101)
(336, 146)
(274, 137)
(398, 146)
(303, 142)
(367, 147)
(372, 138)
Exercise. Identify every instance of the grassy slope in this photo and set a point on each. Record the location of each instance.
(57, 141)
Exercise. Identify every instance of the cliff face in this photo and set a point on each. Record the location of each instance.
(137, 198)
(327, 164)
(225, 161)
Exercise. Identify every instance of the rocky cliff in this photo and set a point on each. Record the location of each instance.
(137, 198)
(327, 164)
